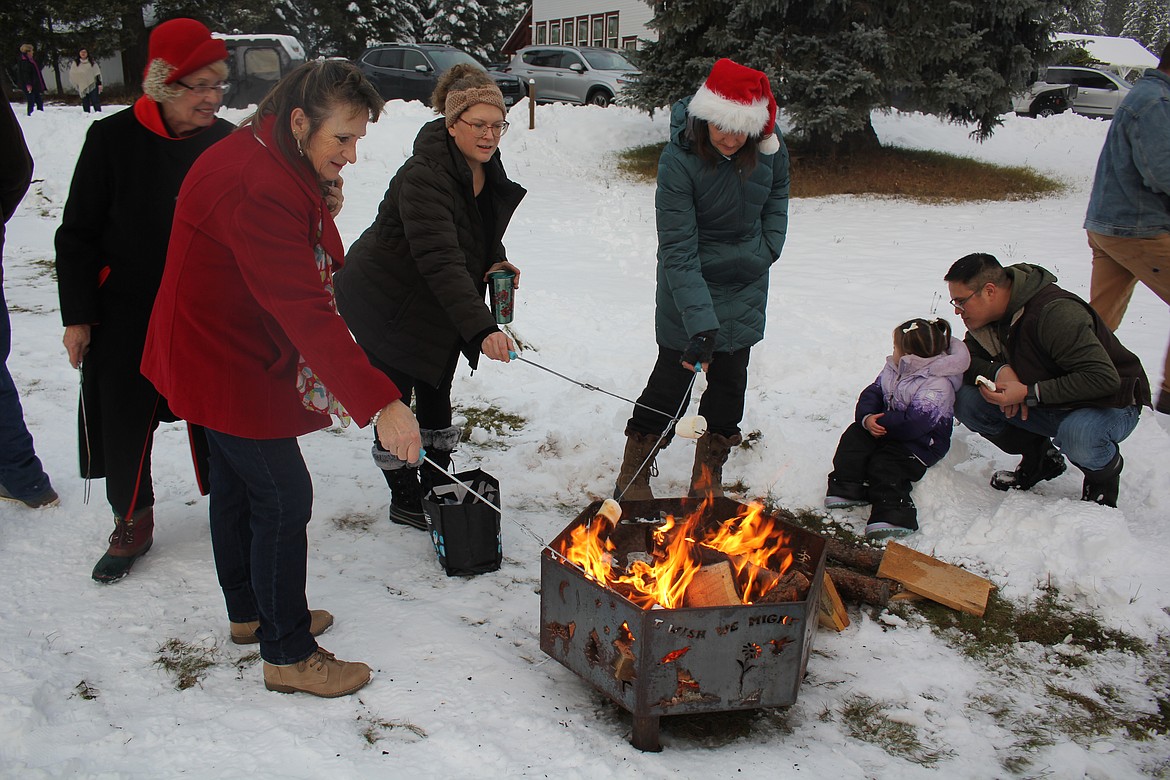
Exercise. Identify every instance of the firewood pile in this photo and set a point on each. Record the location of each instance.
(865, 575)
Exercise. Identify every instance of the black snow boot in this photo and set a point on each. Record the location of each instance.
(439, 444)
(1041, 460)
(1103, 485)
(406, 497)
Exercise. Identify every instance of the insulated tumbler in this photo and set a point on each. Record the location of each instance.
(501, 288)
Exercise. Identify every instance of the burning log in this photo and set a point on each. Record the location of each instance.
(790, 586)
(860, 587)
(713, 586)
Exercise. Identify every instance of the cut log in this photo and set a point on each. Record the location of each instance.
(860, 587)
(832, 610)
(790, 586)
(866, 559)
(712, 586)
(938, 581)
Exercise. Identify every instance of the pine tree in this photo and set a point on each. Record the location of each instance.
(459, 23)
(832, 62)
(1147, 22)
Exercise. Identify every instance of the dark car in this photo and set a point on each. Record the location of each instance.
(256, 63)
(409, 71)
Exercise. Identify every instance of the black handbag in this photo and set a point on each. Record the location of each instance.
(465, 530)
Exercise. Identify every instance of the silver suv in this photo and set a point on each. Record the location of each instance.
(1099, 92)
(574, 74)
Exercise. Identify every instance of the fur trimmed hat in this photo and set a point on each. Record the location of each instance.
(178, 48)
(738, 99)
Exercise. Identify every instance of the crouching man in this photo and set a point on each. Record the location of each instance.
(1063, 384)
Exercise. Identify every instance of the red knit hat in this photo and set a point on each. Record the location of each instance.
(180, 47)
(738, 99)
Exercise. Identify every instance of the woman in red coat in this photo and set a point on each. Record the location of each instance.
(245, 340)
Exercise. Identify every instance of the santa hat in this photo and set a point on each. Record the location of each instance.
(178, 48)
(738, 99)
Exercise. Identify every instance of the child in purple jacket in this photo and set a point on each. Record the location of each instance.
(903, 427)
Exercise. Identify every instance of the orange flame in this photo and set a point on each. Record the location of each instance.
(757, 547)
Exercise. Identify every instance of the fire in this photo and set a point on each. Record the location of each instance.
(755, 545)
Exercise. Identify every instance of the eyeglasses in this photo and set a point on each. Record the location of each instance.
(481, 129)
(961, 303)
(203, 89)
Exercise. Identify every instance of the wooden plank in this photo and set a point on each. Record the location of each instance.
(936, 580)
(832, 613)
(713, 586)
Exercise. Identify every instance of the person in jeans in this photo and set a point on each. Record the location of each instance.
(1128, 220)
(21, 476)
(246, 341)
(86, 78)
(1063, 384)
(721, 207)
(32, 81)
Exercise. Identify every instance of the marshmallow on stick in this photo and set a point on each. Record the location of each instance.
(691, 427)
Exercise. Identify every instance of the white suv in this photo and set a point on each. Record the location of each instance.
(574, 74)
(1099, 92)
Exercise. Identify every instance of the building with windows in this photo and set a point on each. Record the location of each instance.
(614, 24)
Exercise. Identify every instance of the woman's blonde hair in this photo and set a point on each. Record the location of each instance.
(26, 48)
(154, 86)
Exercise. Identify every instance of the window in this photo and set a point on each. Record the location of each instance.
(611, 31)
(412, 59)
(541, 34)
(542, 58)
(554, 33)
(1094, 81)
(570, 58)
(262, 63)
(583, 31)
(598, 37)
(630, 43)
(568, 31)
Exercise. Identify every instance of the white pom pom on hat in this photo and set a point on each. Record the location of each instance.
(738, 99)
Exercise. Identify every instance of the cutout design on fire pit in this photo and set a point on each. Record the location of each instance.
(562, 632)
(778, 645)
(688, 691)
(674, 655)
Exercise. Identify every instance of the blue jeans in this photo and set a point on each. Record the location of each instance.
(1088, 436)
(261, 502)
(21, 473)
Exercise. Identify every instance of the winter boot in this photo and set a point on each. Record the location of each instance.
(321, 674)
(1041, 460)
(633, 481)
(1102, 486)
(711, 451)
(406, 497)
(131, 538)
(245, 633)
(842, 494)
(892, 519)
(439, 444)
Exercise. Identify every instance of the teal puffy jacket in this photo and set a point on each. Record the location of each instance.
(718, 235)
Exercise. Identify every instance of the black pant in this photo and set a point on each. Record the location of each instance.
(666, 390)
(34, 99)
(886, 465)
(432, 405)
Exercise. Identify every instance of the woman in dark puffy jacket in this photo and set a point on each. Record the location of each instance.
(722, 213)
(412, 289)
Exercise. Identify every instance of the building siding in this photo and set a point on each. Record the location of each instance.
(614, 23)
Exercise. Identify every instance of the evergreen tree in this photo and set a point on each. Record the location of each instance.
(832, 62)
(1080, 16)
(459, 23)
(1146, 21)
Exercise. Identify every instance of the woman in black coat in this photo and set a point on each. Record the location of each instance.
(412, 288)
(32, 83)
(111, 248)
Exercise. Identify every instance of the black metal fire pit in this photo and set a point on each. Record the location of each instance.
(655, 662)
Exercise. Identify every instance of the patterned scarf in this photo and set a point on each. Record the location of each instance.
(314, 395)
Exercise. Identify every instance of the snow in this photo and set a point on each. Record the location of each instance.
(459, 658)
(1122, 52)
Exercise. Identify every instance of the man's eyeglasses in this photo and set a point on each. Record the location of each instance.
(961, 303)
(482, 129)
(203, 89)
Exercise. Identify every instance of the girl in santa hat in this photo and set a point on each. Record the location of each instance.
(722, 213)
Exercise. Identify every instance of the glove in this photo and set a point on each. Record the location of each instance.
(700, 349)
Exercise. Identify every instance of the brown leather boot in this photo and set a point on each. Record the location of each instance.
(633, 481)
(711, 451)
(245, 633)
(321, 674)
(131, 538)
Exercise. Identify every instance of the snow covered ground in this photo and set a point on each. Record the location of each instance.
(461, 687)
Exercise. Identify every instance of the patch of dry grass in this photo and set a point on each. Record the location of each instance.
(887, 172)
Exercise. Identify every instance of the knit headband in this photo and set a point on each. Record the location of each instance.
(461, 100)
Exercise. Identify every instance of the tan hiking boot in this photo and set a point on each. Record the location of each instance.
(245, 633)
(638, 465)
(321, 674)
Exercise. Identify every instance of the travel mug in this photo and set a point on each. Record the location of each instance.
(503, 294)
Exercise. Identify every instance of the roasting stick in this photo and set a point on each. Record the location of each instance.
(423, 457)
(587, 386)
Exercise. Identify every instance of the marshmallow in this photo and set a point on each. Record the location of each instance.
(691, 427)
(611, 510)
